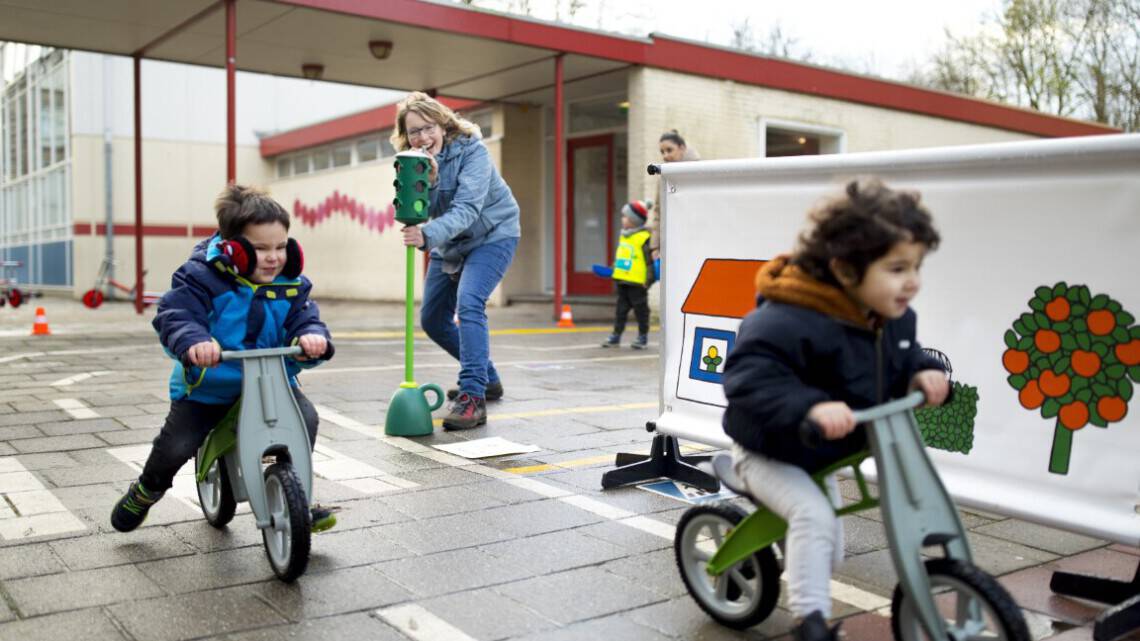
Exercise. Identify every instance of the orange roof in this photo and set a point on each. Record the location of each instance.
(724, 288)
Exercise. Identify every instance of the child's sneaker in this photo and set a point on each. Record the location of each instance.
(814, 628)
(466, 412)
(324, 518)
(613, 341)
(130, 511)
(641, 342)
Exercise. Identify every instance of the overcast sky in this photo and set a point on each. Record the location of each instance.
(886, 37)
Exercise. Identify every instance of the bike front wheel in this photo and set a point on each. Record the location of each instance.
(216, 495)
(288, 537)
(973, 605)
(746, 593)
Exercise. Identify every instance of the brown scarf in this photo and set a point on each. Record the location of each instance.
(778, 280)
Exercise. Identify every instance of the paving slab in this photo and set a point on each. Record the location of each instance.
(335, 628)
(91, 624)
(146, 544)
(339, 591)
(52, 593)
(598, 593)
(452, 571)
(195, 615)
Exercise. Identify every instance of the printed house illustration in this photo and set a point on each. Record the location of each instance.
(722, 294)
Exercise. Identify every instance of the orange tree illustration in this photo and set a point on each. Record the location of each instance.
(1072, 356)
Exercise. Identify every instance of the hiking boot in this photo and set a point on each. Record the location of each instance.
(465, 413)
(641, 342)
(493, 392)
(323, 518)
(613, 341)
(814, 628)
(130, 511)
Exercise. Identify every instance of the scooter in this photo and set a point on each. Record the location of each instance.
(264, 426)
(727, 561)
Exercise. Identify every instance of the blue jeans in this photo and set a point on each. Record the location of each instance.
(470, 343)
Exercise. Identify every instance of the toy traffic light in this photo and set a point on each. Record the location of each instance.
(411, 202)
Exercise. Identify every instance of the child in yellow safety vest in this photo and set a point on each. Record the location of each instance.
(633, 272)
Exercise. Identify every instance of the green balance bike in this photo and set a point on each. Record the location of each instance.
(728, 564)
(260, 453)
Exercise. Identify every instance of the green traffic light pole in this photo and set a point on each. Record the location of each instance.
(409, 413)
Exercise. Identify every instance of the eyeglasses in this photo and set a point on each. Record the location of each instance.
(426, 130)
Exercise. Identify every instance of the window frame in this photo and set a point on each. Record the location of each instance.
(836, 135)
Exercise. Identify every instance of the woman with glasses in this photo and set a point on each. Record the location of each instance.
(471, 236)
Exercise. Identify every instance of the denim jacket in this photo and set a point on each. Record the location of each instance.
(471, 205)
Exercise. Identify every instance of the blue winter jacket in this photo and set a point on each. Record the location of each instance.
(206, 302)
(470, 204)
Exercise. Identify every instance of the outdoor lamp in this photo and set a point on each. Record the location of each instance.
(312, 71)
(380, 49)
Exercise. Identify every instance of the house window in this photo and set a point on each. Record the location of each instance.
(342, 156)
(367, 150)
(322, 159)
(486, 121)
(284, 167)
(781, 138)
(301, 164)
(597, 113)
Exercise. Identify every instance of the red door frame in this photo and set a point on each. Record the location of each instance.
(586, 282)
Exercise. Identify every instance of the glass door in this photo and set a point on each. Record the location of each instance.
(590, 213)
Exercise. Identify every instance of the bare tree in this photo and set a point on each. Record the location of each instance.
(777, 43)
(1067, 57)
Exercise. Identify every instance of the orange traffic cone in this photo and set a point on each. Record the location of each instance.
(40, 327)
(567, 319)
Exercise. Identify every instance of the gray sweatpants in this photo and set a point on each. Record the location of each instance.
(814, 546)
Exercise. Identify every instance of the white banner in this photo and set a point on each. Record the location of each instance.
(1033, 296)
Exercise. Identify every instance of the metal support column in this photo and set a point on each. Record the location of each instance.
(138, 188)
(231, 58)
(559, 163)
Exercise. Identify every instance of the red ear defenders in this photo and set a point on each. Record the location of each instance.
(239, 254)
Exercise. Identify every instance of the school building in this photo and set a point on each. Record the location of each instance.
(571, 117)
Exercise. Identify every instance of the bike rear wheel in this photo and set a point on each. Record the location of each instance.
(973, 604)
(288, 537)
(92, 298)
(746, 593)
(216, 495)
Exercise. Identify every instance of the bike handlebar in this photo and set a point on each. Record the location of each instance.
(811, 434)
(236, 355)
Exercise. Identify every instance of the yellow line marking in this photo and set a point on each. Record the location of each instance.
(522, 331)
(592, 460)
(562, 411)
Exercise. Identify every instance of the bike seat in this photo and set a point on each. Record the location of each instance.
(722, 470)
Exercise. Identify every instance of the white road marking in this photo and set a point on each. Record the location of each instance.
(71, 380)
(16, 357)
(27, 508)
(843, 592)
(419, 624)
(360, 476)
(75, 408)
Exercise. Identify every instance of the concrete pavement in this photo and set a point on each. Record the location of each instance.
(429, 545)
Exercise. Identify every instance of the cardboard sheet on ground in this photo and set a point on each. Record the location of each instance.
(686, 493)
(486, 447)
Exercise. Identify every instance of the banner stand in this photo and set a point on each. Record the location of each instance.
(664, 461)
(1114, 622)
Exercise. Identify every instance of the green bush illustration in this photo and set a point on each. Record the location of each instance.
(951, 426)
(1075, 356)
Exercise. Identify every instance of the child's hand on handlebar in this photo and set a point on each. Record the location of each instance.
(834, 418)
(205, 354)
(312, 346)
(934, 384)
